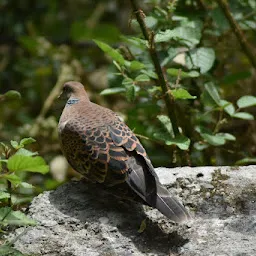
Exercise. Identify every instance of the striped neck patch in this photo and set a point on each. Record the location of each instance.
(72, 101)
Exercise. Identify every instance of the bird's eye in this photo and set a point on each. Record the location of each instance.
(67, 89)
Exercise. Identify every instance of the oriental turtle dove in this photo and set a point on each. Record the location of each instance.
(103, 149)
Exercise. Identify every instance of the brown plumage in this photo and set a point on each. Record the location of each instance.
(102, 148)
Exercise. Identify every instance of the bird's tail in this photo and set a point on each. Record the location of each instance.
(168, 204)
(143, 180)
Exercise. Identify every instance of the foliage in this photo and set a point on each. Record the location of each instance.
(16, 160)
(209, 112)
(208, 75)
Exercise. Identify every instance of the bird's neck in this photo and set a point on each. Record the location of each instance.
(75, 100)
(76, 105)
(72, 101)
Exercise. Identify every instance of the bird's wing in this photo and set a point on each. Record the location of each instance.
(123, 136)
(94, 154)
(141, 176)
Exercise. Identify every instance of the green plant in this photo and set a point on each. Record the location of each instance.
(15, 160)
(167, 65)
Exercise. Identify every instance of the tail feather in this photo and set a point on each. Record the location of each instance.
(169, 205)
(143, 180)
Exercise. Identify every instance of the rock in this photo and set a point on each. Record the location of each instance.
(80, 219)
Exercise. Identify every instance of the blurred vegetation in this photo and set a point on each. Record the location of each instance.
(208, 76)
(197, 109)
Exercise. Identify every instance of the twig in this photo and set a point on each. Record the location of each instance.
(218, 124)
(93, 20)
(149, 36)
(177, 83)
(150, 139)
(246, 47)
(65, 75)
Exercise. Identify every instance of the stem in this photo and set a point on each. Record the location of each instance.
(150, 139)
(149, 36)
(9, 189)
(65, 74)
(217, 127)
(7, 153)
(246, 47)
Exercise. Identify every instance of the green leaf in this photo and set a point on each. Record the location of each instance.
(247, 160)
(14, 144)
(131, 93)
(227, 136)
(166, 122)
(114, 90)
(26, 141)
(27, 163)
(149, 73)
(150, 21)
(4, 195)
(243, 115)
(127, 81)
(114, 54)
(188, 35)
(202, 58)
(14, 179)
(164, 36)
(25, 152)
(26, 185)
(211, 89)
(17, 218)
(142, 78)
(217, 139)
(136, 65)
(227, 106)
(12, 95)
(181, 94)
(6, 250)
(214, 140)
(172, 53)
(117, 66)
(246, 101)
(137, 42)
(200, 146)
(180, 141)
(177, 72)
(154, 89)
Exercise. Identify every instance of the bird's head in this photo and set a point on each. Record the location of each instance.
(73, 90)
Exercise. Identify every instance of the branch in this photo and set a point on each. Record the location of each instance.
(246, 47)
(66, 74)
(149, 36)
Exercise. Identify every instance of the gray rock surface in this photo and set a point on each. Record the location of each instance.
(77, 220)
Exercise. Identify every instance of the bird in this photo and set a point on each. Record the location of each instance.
(101, 147)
